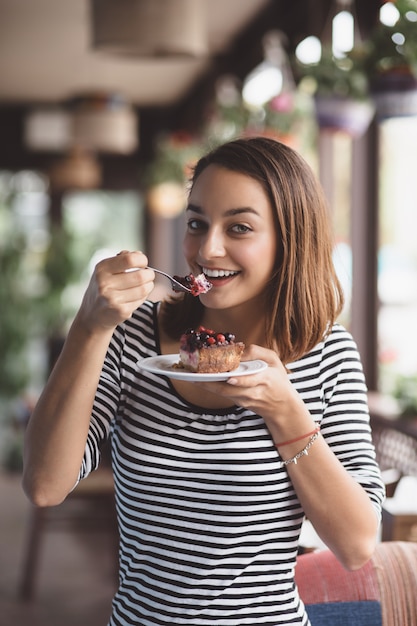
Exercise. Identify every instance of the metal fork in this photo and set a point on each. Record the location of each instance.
(175, 284)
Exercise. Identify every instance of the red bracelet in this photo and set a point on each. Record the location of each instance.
(286, 443)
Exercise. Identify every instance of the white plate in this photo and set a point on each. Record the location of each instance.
(163, 365)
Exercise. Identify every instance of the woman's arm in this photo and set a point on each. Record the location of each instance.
(333, 500)
(57, 431)
(335, 503)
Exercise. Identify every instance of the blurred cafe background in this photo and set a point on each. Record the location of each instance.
(104, 107)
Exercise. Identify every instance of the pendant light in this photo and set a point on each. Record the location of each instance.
(149, 28)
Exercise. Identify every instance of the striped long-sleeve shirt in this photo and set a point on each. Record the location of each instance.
(209, 521)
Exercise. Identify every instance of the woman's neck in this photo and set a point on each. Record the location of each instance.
(245, 323)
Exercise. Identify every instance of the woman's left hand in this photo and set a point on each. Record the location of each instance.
(268, 393)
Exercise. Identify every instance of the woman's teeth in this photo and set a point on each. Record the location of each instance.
(218, 273)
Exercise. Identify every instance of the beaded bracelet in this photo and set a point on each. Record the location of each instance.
(302, 452)
(286, 443)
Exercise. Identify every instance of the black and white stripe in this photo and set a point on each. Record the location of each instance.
(209, 521)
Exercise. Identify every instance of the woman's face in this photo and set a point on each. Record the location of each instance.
(230, 236)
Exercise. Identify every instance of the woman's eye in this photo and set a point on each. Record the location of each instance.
(241, 228)
(195, 224)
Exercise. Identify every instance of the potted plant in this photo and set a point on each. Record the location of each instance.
(389, 58)
(405, 391)
(340, 89)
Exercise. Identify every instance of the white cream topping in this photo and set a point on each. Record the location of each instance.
(203, 283)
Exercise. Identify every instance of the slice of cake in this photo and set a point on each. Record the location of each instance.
(197, 284)
(204, 350)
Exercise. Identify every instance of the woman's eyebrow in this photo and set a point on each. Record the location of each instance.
(237, 211)
(194, 208)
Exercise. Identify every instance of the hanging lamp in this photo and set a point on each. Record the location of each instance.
(149, 28)
(79, 169)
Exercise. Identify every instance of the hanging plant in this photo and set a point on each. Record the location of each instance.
(341, 77)
(393, 49)
(389, 59)
(175, 155)
(167, 176)
(340, 88)
(230, 116)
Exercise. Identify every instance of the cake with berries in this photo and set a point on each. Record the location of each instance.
(205, 351)
(197, 284)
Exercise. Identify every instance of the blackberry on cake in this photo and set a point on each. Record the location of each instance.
(205, 351)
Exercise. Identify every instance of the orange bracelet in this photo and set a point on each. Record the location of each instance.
(286, 443)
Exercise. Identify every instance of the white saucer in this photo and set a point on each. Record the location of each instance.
(164, 365)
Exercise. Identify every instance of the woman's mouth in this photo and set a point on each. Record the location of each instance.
(218, 274)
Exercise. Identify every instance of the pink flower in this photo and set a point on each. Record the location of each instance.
(283, 102)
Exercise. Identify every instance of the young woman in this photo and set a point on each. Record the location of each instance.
(213, 480)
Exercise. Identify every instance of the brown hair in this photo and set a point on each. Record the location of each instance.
(304, 296)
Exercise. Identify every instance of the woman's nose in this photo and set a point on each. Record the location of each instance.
(212, 245)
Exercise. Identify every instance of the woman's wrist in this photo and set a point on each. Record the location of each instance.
(296, 456)
(311, 433)
(83, 328)
(292, 423)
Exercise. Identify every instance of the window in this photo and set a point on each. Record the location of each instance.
(100, 224)
(397, 257)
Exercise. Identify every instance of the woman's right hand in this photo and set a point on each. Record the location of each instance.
(115, 291)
